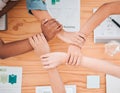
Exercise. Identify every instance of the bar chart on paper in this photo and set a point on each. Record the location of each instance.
(67, 12)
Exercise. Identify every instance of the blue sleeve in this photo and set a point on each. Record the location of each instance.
(35, 5)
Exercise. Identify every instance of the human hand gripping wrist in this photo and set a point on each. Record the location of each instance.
(39, 43)
(74, 55)
(52, 60)
(74, 38)
(50, 28)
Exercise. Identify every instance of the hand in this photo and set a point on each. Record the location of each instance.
(74, 55)
(54, 59)
(39, 43)
(50, 28)
(74, 38)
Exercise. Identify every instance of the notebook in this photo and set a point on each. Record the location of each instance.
(10, 79)
(112, 84)
(67, 12)
(3, 22)
(107, 30)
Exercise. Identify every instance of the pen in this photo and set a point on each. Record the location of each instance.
(115, 22)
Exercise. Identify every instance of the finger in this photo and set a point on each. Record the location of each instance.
(49, 22)
(45, 56)
(75, 60)
(46, 67)
(82, 35)
(68, 58)
(78, 41)
(43, 38)
(45, 63)
(51, 66)
(78, 61)
(80, 38)
(53, 26)
(57, 29)
(35, 39)
(32, 42)
(44, 21)
(71, 59)
(57, 23)
(44, 59)
(74, 42)
(39, 38)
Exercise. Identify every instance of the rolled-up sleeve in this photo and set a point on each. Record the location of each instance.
(35, 5)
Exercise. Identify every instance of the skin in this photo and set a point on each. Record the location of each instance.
(100, 15)
(54, 59)
(73, 39)
(40, 45)
(6, 49)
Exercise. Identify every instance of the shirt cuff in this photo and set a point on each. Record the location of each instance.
(36, 5)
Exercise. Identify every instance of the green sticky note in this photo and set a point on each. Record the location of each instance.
(53, 2)
(12, 79)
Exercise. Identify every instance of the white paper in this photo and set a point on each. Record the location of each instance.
(107, 30)
(47, 89)
(93, 81)
(112, 84)
(67, 12)
(10, 79)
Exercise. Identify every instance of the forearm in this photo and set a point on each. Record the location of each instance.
(101, 14)
(101, 66)
(41, 15)
(15, 48)
(56, 81)
(97, 65)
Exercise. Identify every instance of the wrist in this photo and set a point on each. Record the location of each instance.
(83, 36)
(75, 45)
(61, 33)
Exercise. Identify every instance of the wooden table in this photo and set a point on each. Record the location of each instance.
(22, 25)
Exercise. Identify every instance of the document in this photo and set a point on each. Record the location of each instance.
(10, 79)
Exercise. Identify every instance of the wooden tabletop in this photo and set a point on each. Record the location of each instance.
(22, 25)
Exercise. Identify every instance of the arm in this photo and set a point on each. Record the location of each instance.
(56, 81)
(103, 12)
(23, 46)
(100, 15)
(56, 58)
(14, 48)
(101, 66)
(41, 47)
(6, 6)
